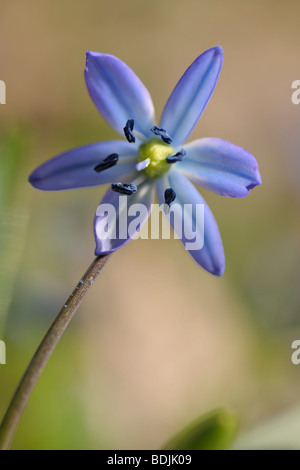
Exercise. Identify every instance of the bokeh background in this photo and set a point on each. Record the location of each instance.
(158, 341)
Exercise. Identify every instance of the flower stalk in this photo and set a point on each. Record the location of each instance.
(44, 351)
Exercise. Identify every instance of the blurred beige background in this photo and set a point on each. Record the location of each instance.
(158, 341)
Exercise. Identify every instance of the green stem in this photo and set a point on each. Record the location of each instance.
(44, 351)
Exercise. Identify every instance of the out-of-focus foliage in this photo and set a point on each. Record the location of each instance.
(214, 431)
(14, 207)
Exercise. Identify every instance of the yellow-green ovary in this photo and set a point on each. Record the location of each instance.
(157, 151)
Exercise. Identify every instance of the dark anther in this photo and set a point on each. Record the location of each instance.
(170, 196)
(108, 162)
(128, 131)
(178, 157)
(124, 188)
(162, 134)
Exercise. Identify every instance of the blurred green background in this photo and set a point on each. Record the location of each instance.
(158, 341)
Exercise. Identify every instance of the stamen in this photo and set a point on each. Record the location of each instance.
(162, 134)
(178, 157)
(170, 196)
(108, 162)
(124, 188)
(128, 131)
(142, 165)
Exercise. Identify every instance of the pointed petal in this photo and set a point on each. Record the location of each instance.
(75, 168)
(220, 166)
(118, 93)
(113, 226)
(191, 95)
(211, 255)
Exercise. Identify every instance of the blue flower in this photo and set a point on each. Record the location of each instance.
(154, 159)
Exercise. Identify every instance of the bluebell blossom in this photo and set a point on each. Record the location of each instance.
(154, 159)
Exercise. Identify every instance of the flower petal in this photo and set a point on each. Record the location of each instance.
(118, 93)
(75, 168)
(116, 216)
(220, 166)
(211, 255)
(191, 95)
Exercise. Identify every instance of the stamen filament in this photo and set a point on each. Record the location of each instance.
(143, 164)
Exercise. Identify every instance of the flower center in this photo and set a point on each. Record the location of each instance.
(157, 151)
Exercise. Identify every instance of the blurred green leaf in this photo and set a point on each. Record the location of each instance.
(213, 431)
(14, 203)
(10, 162)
